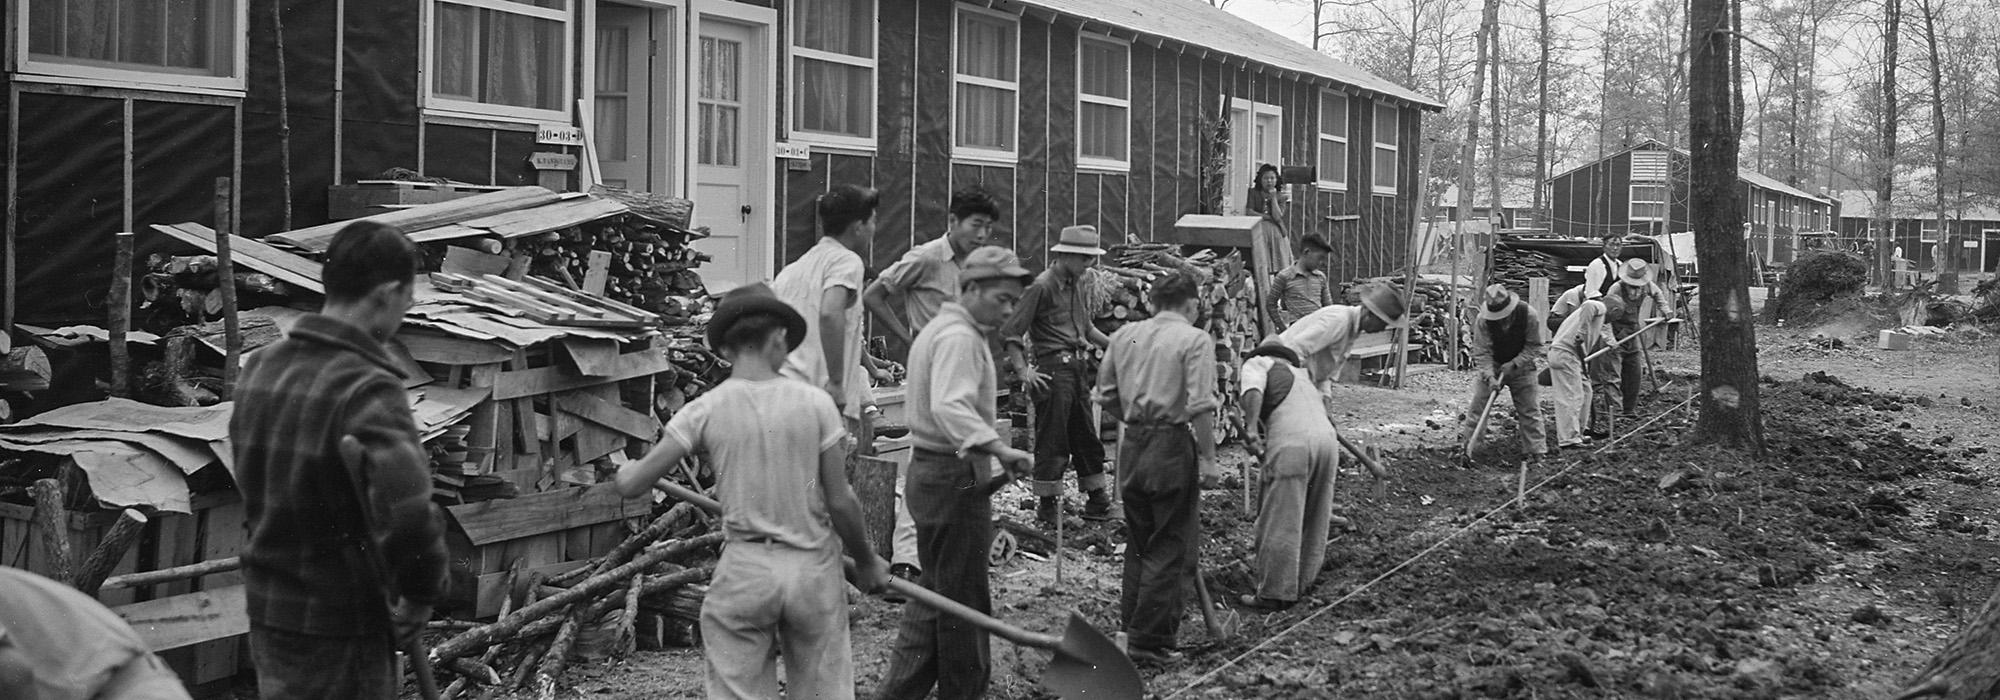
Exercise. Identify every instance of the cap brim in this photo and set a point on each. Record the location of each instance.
(1015, 273)
(1079, 250)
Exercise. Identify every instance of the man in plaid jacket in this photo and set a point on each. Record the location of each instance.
(317, 604)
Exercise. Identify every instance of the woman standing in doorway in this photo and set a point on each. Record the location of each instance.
(1267, 198)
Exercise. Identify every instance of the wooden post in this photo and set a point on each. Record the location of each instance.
(90, 577)
(1538, 295)
(1402, 350)
(225, 276)
(54, 522)
(121, 315)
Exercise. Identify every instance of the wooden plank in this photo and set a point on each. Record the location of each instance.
(528, 221)
(548, 380)
(608, 414)
(286, 267)
(416, 220)
(597, 272)
(594, 357)
(593, 442)
(536, 513)
(216, 660)
(181, 620)
(226, 535)
(461, 260)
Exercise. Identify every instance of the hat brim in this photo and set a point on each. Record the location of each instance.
(1637, 281)
(1077, 249)
(1486, 314)
(726, 317)
(1014, 272)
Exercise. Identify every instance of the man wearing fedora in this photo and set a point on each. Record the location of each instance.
(1506, 345)
(788, 512)
(1301, 287)
(952, 394)
(1634, 289)
(1054, 325)
(1323, 338)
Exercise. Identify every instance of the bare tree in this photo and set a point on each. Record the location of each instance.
(1885, 177)
(1947, 245)
(1730, 413)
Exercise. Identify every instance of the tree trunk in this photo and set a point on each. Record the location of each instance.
(1947, 244)
(1468, 152)
(1729, 409)
(1885, 164)
(1542, 112)
(1968, 668)
(1497, 213)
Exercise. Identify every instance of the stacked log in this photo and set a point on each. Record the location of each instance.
(1431, 322)
(654, 574)
(1116, 291)
(1514, 268)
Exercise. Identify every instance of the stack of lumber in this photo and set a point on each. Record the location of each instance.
(547, 302)
(646, 592)
(1513, 267)
(1117, 289)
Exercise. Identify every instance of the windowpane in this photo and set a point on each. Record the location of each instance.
(1105, 72)
(1387, 131)
(1333, 114)
(833, 98)
(1385, 168)
(1332, 161)
(840, 26)
(985, 46)
(171, 36)
(496, 57)
(1101, 131)
(985, 117)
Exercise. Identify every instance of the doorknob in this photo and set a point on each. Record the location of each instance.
(746, 212)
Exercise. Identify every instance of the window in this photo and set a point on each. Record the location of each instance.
(1928, 233)
(1649, 201)
(1649, 166)
(1332, 140)
(1103, 103)
(1388, 137)
(833, 72)
(177, 45)
(504, 59)
(985, 85)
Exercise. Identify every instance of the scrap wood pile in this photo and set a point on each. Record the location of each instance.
(1514, 267)
(1431, 323)
(645, 593)
(1117, 290)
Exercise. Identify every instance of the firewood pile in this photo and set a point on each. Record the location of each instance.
(1513, 268)
(1117, 290)
(645, 593)
(1430, 317)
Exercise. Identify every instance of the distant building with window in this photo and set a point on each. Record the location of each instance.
(1645, 190)
(1072, 111)
(1914, 227)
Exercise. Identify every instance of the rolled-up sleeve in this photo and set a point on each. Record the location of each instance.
(1200, 371)
(1015, 330)
(1256, 371)
(906, 272)
(955, 394)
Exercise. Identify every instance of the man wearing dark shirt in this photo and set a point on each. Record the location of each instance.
(318, 602)
(1054, 324)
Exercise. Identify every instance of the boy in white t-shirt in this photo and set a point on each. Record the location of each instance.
(787, 511)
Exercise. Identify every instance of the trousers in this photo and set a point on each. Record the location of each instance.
(954, 533)
(1065, 435)
(903, 540)
(1525, 386)
(1629, 378)
(1572, 395)
(1162, 489)
(769, 600)
(1296, 513)
(293, 666)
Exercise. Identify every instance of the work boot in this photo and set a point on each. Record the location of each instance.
(1098, 507)
(1046, 511)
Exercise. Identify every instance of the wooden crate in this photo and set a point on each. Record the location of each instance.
(550, 532)
(198, 626)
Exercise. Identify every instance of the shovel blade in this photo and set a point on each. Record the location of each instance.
(1089, 666)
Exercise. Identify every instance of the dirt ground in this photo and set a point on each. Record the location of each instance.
(1648, 568)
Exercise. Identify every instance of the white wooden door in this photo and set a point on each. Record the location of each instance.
(634, 98)
(732, 149)
(1255, 138)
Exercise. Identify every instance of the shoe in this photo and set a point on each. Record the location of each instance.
(1570, 445)
(1596, 434)
(1262, 604)
(1154, 656)
(891, 432)
(1098, 507)
(1046, 511)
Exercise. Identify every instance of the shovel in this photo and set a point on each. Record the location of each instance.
(1479, 428)
(1223, 624)
(1087, 664)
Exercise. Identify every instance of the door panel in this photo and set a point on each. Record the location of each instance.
(634, 97)
(731, 158)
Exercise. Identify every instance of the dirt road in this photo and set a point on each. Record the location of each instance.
(1646, 569)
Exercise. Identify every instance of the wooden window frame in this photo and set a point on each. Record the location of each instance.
(25, 67)
(1394, 146)
(1632, 200)
(979, 154)
(1344, 138)
(435, 105)
(1100, 163)
(794, 52)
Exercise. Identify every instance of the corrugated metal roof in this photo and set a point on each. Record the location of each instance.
(1199, 24)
